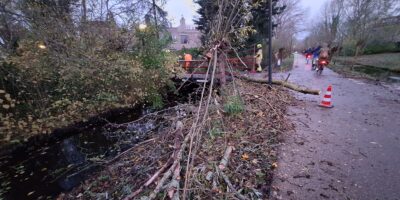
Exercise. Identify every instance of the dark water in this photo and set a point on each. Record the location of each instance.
(43, 172)
(40, 173)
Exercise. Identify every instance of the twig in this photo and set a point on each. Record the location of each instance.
(237, 55)
(148, 182)
(150, 114)
(158, 173)
(228, 182)
(196, 130)
(173, 188)
(126, 151)
(287, 78)
(224, 161)
(176, 160)
(171, 169)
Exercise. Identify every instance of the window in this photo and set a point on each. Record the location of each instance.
(184, 39)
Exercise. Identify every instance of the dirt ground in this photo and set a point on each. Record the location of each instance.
(346, 152)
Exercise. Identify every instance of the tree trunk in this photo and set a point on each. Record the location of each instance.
(84, 12)
(357, 51)
(284, 84)
(221, 69)
(101, 9)
(155, 17)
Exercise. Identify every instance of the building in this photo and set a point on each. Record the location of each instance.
(184, 36)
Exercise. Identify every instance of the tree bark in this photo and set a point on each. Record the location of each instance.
(221, 70)
(84, 11)
(284, 84)
(155, 17)
(357, 51)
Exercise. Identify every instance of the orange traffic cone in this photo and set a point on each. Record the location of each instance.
(327, 101)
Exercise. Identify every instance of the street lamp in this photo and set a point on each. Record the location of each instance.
(142, 27)
(41, 46)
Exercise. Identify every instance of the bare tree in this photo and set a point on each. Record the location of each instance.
(11, 27)
(290, 22)
(332, 17)
(362, 15)
(84, 11)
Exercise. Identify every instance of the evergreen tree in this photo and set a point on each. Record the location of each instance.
(208, 9)
(261, 19)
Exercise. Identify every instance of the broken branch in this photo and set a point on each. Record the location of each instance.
(284, 84)
(224, 161)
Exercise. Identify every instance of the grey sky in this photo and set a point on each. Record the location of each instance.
(312, 7)
(178, 8)
(187, 8)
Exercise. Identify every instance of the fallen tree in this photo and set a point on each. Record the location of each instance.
(243, 140)
(284, 84)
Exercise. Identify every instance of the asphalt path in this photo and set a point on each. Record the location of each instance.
(350, 151)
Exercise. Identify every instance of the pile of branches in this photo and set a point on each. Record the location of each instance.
(223, 147)
(210, 150)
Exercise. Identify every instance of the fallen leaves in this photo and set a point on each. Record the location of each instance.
(274, 165)
(245, 156)
(254, 134)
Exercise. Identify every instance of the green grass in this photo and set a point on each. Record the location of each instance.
(375, 67)
(390, 61)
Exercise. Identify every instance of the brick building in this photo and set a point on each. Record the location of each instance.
(184, 36)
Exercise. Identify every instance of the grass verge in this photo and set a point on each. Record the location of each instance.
(389, 61)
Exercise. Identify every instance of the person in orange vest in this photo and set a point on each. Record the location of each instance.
(188, 59)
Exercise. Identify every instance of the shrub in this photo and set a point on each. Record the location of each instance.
(349, 48)
(384, 47)
(215, 130)
(234, 105)
(50, 89)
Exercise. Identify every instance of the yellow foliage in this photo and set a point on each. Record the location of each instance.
(59, 89)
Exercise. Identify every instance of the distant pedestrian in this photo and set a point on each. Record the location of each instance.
(278, 60)
(259, 57)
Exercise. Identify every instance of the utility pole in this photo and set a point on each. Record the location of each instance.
(270, 43)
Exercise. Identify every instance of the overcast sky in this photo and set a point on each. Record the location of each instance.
(178, 8)
(187, 8)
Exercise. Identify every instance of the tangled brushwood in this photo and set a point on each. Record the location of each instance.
(222, 146)
(205, 151)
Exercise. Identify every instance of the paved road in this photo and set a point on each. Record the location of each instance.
(351, 151)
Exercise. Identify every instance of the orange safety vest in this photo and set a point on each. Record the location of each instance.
(188, 58)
